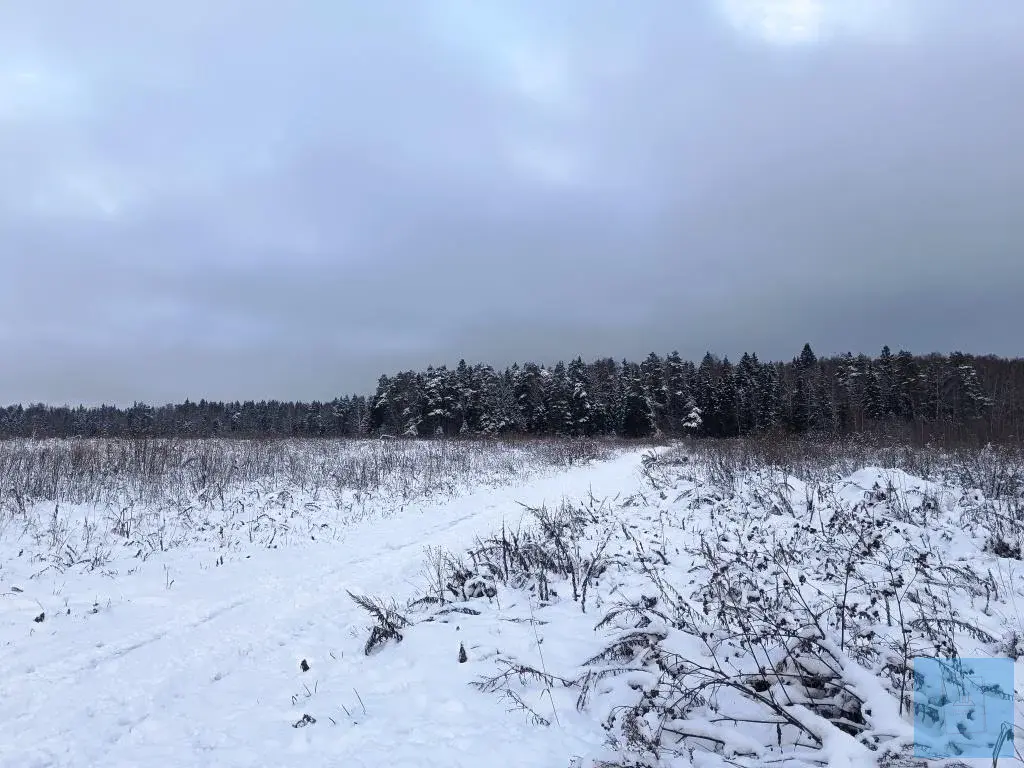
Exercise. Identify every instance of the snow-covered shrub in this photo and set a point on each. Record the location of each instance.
(795, 623)
(754, 617)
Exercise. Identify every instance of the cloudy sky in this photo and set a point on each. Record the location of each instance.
(250, 198)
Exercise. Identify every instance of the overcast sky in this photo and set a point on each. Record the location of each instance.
(251, 198)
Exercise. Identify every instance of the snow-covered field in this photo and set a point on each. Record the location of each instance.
(485, 604)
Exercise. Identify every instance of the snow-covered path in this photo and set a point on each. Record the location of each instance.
(189, 663)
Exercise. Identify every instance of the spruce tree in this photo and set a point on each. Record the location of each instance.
(677, 392)
(557, 394)
(704, 393)
(581, 411)
(652, 372)
(637, 416)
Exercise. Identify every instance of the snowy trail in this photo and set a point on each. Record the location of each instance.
(204, 672)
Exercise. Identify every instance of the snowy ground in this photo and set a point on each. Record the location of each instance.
(178, 660)
(640, 609)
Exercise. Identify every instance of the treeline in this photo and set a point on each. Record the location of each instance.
(955, 397)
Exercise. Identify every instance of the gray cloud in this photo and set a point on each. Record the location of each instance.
(245, 200)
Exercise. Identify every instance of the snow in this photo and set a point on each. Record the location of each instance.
(233, 641)
(179, 661)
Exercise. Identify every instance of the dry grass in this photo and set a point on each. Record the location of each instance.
(83, 471)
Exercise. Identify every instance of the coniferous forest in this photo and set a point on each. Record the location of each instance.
(955, 398)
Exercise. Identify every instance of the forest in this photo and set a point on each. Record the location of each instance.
(955, 398)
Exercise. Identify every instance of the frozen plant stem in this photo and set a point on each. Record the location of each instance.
(543, 664)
